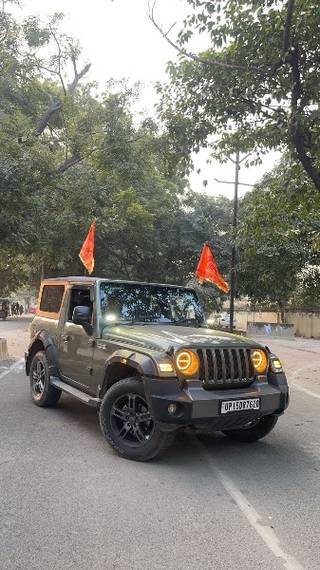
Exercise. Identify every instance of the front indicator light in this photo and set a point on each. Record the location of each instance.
(187, 362)
(259, 360)
(276, 365)
(166, 367)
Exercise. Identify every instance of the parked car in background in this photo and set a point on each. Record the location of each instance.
(224, 321)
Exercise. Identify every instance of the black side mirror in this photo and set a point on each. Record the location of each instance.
(81, 315)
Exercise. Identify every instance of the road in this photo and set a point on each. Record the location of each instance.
(68, 501)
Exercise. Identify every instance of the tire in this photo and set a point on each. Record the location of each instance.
(250, 434)
(127, 424)
(42, 393)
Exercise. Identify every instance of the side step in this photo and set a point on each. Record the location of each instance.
(82, 396)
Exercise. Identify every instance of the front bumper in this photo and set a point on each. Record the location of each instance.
(195, 405)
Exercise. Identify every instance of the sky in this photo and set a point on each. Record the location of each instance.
(120, 42)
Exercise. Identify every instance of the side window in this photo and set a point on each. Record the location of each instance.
(51, 298)
(79, 296)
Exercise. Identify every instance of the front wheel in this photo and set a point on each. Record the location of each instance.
(127, 423)
(42, 393)
(254, 431)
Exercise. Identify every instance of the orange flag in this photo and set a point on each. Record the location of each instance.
(87, 251)
(207, 269)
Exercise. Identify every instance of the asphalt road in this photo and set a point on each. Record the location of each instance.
(68, 501)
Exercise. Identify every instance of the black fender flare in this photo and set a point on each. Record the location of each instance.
(142, 363)
(50, 350)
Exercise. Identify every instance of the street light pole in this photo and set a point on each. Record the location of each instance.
(233, 275)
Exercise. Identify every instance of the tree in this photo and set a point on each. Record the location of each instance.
(255, 88)
(68, 155)
(278, 236)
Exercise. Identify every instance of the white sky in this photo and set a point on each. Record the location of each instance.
(120, 42)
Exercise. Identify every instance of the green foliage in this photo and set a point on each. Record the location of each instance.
(68, 156)
(255, 88)
(278, 236)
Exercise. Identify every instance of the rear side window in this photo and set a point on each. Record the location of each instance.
(51, 298)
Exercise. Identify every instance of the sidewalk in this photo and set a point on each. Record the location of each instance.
(17, 334)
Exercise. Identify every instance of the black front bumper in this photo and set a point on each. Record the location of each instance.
(195, 405)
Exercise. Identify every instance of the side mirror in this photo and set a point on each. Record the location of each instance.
(81, 315)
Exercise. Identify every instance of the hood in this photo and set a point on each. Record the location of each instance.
(162, 337)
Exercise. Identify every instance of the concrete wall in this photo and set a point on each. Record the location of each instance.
(242, 318)
(305, 324)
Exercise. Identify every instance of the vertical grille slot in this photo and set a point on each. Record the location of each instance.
(210, 359)
(202, 368)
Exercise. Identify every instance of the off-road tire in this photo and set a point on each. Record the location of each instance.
(50, 395)
(159, 441)
(254, 433)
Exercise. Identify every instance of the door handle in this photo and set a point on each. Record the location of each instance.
(65, 337)
(91, 341)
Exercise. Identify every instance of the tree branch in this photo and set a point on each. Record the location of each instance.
(75, 159)
(54, 107)
(77, 75)
(287, 27)
(296, 129)
(59, 62)
(190, 55)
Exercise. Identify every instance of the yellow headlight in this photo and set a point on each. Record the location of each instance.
(187, 362)
(259, 360)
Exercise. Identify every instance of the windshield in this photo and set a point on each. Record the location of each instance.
(132, 303)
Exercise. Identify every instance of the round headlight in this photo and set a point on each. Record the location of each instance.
(259, 360)
(187, 362)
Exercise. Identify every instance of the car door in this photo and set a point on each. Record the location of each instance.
(76, 341)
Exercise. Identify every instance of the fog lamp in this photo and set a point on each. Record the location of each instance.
(172, 408)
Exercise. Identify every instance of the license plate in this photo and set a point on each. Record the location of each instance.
(240, 405)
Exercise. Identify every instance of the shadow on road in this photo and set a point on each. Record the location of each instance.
(276, 458)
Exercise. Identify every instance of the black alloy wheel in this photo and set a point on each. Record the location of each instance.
(131, 419)
(127, 423)
(42, 393)
(38, 378)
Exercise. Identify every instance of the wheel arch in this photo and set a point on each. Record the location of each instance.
(125, 364)
(43, 341)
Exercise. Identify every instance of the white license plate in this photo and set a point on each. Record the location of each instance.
(240, 405)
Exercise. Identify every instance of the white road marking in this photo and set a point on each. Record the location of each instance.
(296, 375)
(267, 534)
(306, 391)
(13, 368)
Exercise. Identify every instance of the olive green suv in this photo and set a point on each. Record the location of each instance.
(142, 354)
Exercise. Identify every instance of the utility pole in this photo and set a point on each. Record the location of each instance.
(233, 272)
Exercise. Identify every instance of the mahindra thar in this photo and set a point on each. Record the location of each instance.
(142, 354)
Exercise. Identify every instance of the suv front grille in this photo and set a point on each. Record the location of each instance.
(225, 367)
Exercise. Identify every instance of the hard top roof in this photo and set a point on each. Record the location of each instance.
(91, 280)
